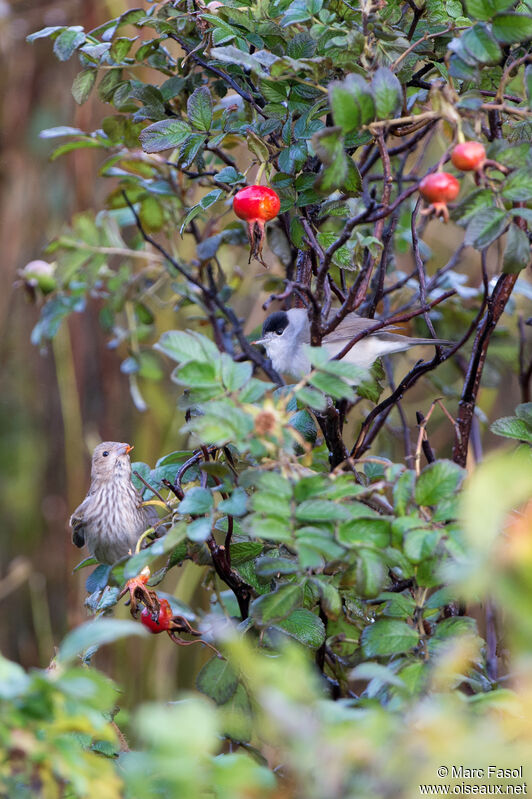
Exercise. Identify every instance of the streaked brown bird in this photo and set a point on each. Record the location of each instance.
(111, 518)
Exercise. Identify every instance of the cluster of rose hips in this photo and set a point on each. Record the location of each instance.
(257, 205)
(439, 188)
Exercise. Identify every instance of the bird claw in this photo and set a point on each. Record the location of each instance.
(138, 592)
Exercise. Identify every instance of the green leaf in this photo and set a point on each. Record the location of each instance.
(528, 84)
(388, 637)
(375, 671)
(320, 510)
(164, 135)
(68, 41)
(183, 347)
(304, 626)
(235, 375)
(485, 226)
(200, 529)
(196, 374)
(269, 567)
(403, 491)
(371, 530)
(517, 250)
(485, 9)
(328, 145)
(197, 500)
(510, 28)
(94, 634)
(512, 427)
(236, 505)
(420, 543)
(518, 186)
(351, 102)
(477, 46)
(243, 551)
(217, 680)
(471, 205)
(437, 481)
(82, 85)
(199, 108)
(387, 93)
(44, 33)
(371, 573)
(276, 605)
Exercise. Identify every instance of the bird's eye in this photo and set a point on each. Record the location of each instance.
(279, 331)
(105, 454)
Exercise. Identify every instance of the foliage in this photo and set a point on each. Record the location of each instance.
(331, 576)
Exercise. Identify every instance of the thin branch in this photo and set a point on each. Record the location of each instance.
(218, 72)
(495, 307)
(211, 297)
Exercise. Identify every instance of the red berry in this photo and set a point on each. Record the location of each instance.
(256, 204)
(468, 155)
(158, 622)
(439, 187)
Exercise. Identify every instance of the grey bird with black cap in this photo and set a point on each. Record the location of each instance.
(284, 334)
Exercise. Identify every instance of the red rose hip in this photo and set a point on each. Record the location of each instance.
(438, 189)
(256, 205)
(160, 621)
(468, 155)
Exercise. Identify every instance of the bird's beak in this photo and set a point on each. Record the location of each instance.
(126, 449)
(260, 341)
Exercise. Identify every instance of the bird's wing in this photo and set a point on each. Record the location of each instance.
(152, 520)
(352, 326)
(77, 522)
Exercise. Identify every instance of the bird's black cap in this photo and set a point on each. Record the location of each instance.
(275, 322)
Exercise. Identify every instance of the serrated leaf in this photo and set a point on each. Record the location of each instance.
(82, 85)
(277, 605)
(517, 251)
(217, 680)
(512, 427)
(320, 510)
(183, 347)
(437, 481)
(387, 93)
(328, 145)
(465, 211)
(485, 9)
(164, 135)
(351, 103)
(485, 226)
(371, 573)
(478, 46)
(510, 28)
(199, 108)
(518, 186)
(68, 42)
(388, 637)
(236, 505)
(197, 500)
(304, 626)
(371, 530)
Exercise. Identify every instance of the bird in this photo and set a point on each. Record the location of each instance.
(111, 518)
(284, 334)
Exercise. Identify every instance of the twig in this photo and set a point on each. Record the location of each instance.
(152, 489)
(525, 372)
(218, 72)
(211, 297)
(495, 307)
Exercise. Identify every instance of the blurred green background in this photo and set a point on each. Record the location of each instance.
(57, 404)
